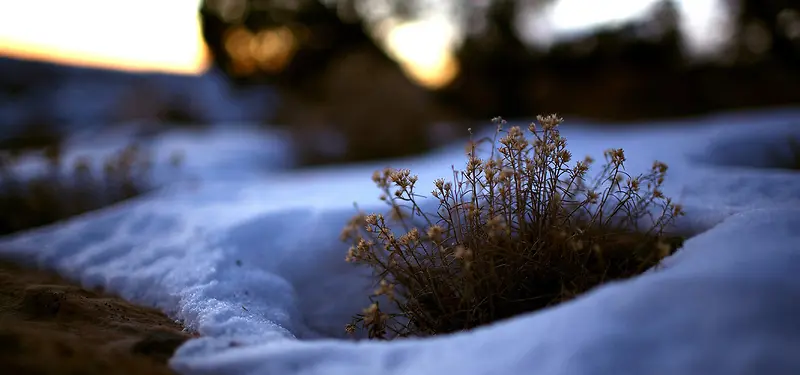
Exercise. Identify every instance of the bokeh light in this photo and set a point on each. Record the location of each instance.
(270, 49)
(425, 51)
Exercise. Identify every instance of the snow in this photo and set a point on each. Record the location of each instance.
(229, 150)
(254, 264)
(224, 152)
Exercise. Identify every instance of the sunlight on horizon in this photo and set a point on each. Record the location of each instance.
(425, 51)
(702, 21)
(106, 34)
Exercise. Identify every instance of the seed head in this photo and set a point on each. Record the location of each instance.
(659, 167)
(435, 232)
(461, 252)
(616, 156)
(385, 288)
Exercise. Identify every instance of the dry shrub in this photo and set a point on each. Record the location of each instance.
(63, 191)
(515, 232)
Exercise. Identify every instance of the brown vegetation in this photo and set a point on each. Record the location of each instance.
(515, 232)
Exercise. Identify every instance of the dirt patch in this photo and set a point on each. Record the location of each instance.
(48, 326)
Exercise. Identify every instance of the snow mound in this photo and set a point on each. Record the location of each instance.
(255, 265)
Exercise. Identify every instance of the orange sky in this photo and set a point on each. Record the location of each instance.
(106, 33)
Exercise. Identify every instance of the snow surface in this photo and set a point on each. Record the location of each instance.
(254, 264)
(224, 152)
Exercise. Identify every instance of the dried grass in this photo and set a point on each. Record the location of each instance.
(515, 232)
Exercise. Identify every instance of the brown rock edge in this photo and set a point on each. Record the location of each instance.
(50, 326)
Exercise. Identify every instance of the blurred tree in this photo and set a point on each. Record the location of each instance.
(619, 71)
(493, 62)
(342, 96)
(242, 33)
(767, 29)
(333, 69)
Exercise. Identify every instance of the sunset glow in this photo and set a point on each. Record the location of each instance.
(425, 52)
(143, 35)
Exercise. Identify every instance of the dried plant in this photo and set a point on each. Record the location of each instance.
(29, 202)
(516, 231)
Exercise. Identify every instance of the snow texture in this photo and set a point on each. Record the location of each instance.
(226, 152)
(255, 265)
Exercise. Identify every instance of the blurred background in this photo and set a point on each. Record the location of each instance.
(353, 80)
